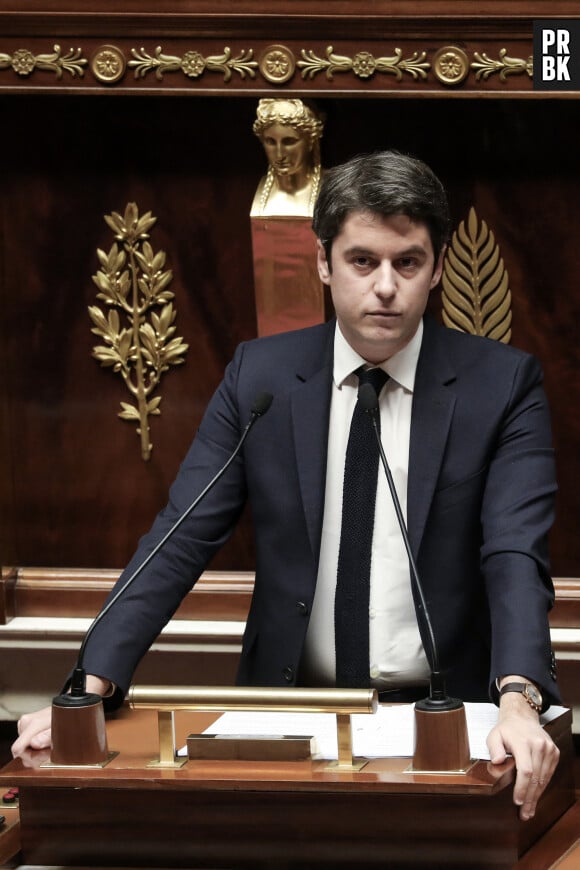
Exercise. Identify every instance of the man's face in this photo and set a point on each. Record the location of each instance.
(382, 272)
(286, 149)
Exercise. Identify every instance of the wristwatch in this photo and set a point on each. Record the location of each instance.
(532, 695)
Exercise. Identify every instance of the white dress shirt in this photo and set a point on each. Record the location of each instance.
(397, 657)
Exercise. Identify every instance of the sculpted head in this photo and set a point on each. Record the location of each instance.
(290, 132)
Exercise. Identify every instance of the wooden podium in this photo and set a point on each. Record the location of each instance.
(273, 814)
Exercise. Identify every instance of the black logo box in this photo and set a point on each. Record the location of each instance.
(557, 55)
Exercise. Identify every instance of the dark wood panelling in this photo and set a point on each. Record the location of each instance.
(346, 28)
(75, 490)
(259, 11)
(77, 483)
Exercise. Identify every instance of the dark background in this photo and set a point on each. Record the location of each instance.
(74, 490)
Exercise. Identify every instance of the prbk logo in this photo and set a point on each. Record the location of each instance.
(557, 55)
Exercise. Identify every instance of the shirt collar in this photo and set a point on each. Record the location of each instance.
(401, 367)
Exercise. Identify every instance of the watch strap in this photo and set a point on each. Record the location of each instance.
(522, 688)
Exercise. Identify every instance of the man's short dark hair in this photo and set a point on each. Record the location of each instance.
(384, 183)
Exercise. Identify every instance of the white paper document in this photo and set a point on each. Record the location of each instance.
(388, 733)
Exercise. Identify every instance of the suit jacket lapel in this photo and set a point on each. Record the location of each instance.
(433, 405)
(310, 409)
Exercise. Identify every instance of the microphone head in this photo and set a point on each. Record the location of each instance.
(261, 404)
(367, 398)
(78, 683)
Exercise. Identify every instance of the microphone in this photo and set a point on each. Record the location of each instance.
(368, 401)
(78, 698)
(438, 700)
(259, 408)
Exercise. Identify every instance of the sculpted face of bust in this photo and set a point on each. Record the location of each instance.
(289, 131)
(287, 149)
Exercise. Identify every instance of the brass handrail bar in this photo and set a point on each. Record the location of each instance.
(167, 699)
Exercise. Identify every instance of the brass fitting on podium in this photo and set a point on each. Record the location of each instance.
(167, 699)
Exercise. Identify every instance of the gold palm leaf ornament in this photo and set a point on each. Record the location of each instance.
(137, 331)
(476, 295)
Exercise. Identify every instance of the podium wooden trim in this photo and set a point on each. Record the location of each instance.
(9, 835)
(241, 814)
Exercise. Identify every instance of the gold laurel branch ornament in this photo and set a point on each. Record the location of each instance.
(133, 284)
(476, 294)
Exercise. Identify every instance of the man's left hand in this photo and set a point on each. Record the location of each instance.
(519, 733)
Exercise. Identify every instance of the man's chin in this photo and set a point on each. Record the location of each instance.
(381, 344)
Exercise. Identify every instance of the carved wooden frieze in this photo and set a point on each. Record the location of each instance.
(203, 66)
(24, 62)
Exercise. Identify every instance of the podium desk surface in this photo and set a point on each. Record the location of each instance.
(282, 814)
(133, 734)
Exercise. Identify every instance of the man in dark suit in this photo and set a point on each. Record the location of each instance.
(466, 427)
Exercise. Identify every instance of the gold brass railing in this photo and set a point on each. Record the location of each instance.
(167, 699)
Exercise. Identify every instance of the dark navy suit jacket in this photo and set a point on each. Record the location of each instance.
(479, 507)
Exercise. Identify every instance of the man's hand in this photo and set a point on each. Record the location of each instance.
(519, 733)
(33, 732)
(34, 728)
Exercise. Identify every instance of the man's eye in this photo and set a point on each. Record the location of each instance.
(408, 263)
(362, 262)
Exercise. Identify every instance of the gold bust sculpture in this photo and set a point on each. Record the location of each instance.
(290, 132)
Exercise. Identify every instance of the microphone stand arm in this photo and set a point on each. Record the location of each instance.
(441, 739)
(78, 680)
(438, 692)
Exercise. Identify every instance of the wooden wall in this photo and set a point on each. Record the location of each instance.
(74, 490)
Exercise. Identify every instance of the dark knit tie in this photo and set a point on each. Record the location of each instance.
(351, 606)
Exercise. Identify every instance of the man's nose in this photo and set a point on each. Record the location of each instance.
(385, 279)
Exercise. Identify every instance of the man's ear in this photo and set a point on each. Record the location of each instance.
(322, 263)
(437, 271)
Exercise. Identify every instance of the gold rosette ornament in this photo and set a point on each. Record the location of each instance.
(138, 331)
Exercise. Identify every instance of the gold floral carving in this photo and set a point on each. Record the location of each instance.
(193, 64)
(476, 294)
(485, 66)
(363, 64)
(24, 62)
(108, 64)
(277, 64)
(133, 283)
(450, 65)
